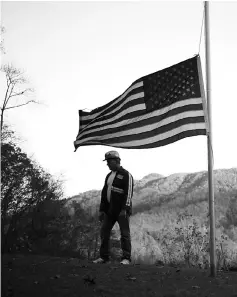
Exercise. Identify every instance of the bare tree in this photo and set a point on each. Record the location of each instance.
(15, 88)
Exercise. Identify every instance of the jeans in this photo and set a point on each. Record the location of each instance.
(106, 228)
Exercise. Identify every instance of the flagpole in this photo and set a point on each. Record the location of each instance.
(212, 244)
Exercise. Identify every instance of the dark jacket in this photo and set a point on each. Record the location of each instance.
(121, 194)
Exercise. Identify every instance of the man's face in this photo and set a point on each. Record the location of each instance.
(112, 164)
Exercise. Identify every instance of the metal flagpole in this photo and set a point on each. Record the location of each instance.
(212, 244)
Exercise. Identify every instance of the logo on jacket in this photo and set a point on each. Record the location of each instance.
(117, 190)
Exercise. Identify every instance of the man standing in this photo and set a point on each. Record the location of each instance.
(116, 206)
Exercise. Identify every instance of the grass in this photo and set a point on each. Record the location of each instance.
(44, 276)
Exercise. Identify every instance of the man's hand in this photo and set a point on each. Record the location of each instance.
(123, 213)
(101, 216)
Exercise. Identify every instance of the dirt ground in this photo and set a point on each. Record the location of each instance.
(44, 276)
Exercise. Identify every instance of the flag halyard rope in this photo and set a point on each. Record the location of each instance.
(200, 39)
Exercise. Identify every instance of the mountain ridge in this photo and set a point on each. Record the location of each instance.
(156, 189)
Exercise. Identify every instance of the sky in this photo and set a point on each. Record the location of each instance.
(81, 55)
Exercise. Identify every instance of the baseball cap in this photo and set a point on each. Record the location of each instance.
(111, 155)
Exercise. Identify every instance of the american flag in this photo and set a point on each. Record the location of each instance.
(155, 110)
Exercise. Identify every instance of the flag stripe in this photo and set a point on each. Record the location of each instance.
(144, 132)
(158, 140)
(134, 88)
(141, 126)
(125, 113)
(129, 113)
(136, 120)
(128, 104)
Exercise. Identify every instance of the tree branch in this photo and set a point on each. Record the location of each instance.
(5, 99)
(31, 101)
(21, 93)
(8, 95)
